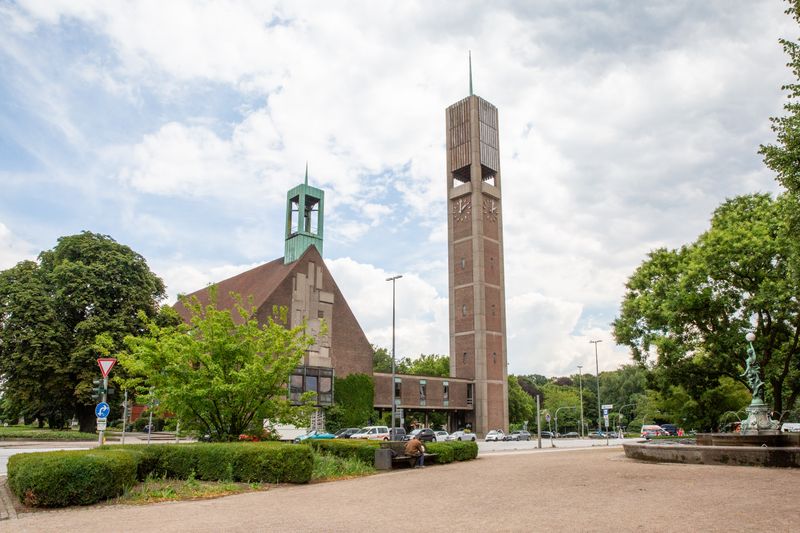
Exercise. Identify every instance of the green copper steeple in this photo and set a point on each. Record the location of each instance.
(304, 220)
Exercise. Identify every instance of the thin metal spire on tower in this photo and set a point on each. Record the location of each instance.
(306, 172)
(470, 72)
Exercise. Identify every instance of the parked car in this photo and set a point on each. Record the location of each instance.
(671, 429)
(495, 435)
(372, 433)
(652, 430)
(570, 435)
(424, 434)
(397, 434)
(548, 434)
(461, 435)
(314, 435)
(346, 433)
(441, 435)
(518, 435)
(598, 435)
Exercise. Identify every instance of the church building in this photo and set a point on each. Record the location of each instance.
(476, 394)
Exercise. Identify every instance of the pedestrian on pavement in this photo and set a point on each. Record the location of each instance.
(414, 448)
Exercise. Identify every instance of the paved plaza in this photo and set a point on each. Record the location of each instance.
(592, 489)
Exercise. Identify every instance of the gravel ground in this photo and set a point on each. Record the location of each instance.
(595, 489)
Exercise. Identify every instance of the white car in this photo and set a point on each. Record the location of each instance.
(461, 435)
(441, 436)
(372, 433)
(495, 435)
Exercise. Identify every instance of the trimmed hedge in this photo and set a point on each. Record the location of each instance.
(75, 477)
(363, 450)
(447, 452)
(82, 477)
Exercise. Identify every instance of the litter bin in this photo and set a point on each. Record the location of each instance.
(383, 459)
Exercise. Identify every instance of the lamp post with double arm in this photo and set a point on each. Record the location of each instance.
(393, 279)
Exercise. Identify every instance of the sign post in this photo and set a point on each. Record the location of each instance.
(606, 408)
(102, 409)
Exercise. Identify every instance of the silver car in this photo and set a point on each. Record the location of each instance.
(461, 435)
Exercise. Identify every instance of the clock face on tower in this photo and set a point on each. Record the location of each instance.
(491, 208)
(462, 208)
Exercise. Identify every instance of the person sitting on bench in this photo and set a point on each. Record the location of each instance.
(414, 448)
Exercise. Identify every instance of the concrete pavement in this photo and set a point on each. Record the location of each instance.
(592, 489)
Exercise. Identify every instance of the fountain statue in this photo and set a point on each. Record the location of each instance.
(758, 420)
(758, 443)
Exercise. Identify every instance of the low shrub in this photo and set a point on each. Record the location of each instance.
(75, 477)
(82, 477)
(443, 450)
(447, 452)
(465, 450)
(273, 462)
(363, 450)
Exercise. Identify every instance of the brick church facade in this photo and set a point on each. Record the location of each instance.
(476, 394)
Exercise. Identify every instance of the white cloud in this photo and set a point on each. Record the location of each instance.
(13, 249)
(622, 127)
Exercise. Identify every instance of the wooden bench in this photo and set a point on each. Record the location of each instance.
(399, 457)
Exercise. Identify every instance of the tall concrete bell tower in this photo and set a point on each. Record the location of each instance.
(475, 258)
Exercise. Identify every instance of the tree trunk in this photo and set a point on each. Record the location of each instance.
(86, 419)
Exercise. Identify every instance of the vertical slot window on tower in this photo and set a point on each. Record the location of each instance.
(423, 390)
(464, 310)
(464, 358)
(446, 393)
(470, 393)
(463, 263)
(398, 390)
(494, 358)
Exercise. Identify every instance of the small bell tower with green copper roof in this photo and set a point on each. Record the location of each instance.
(305, 206)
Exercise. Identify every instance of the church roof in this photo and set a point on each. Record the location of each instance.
(259, 283)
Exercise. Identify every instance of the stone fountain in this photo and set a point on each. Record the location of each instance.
(758, 443)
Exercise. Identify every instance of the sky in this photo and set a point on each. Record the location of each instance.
(178, 127)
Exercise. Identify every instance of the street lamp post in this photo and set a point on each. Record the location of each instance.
(580, 386)
(619, 420)
(560, 408)
(393, 279)
(597, 370)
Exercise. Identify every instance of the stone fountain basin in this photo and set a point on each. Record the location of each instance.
(784, 453)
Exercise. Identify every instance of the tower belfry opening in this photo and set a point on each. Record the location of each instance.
(304, 220)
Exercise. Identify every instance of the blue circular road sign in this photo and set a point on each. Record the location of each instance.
(101, 410)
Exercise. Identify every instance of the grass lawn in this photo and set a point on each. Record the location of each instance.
(34, 433)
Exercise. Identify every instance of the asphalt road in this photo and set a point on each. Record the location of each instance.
(592, 489)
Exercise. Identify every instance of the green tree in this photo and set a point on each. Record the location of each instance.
(426, 365)
(566, 401)
(783, 156)
(381, 360)
(701, 300)
(52, 310)
(353, 400)
(32, 344)
(520, 405)
(222, 373)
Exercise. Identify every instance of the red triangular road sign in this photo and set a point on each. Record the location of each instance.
(106, 364)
